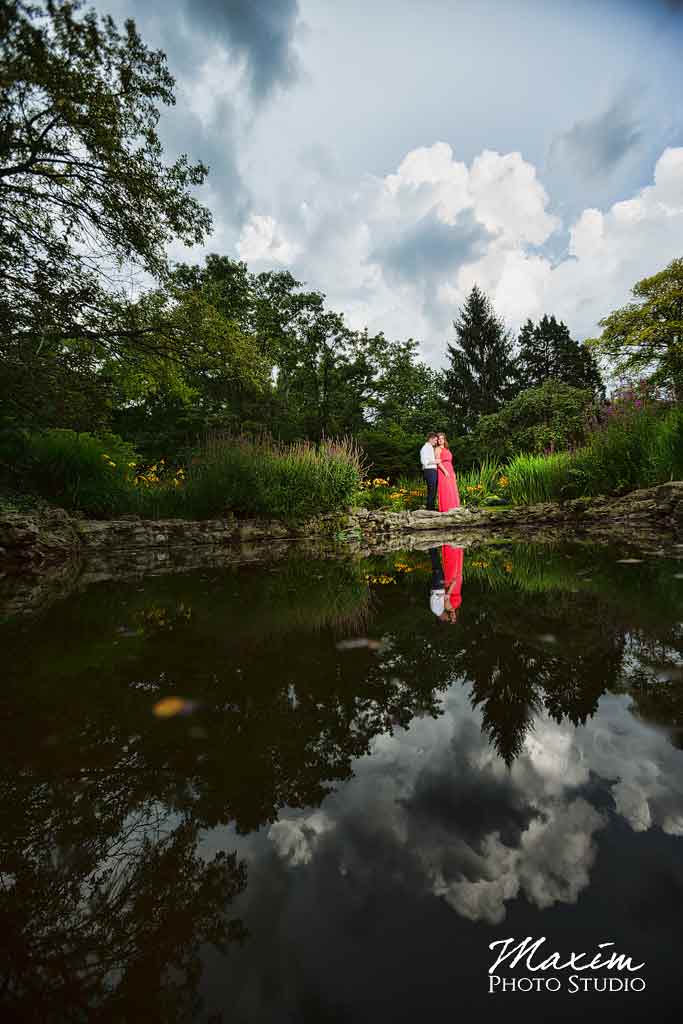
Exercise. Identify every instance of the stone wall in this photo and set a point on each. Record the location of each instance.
(29, 542)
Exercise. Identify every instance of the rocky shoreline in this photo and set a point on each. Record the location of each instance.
(33, 542)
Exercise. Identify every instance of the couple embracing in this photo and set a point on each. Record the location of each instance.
(437, 467)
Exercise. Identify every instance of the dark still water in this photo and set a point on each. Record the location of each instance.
(318, 790)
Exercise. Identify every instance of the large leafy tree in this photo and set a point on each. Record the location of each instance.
(164, 403)
(405, 404)
(481, 371)
(85, 195)
(547, 351)
(644, 339)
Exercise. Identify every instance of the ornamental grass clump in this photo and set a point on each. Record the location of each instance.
(532, 479)
(259, 477)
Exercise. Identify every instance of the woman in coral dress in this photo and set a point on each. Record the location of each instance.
(448, 485)
(453, 562)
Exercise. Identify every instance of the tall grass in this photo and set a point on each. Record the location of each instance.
(237, 475)
(537, 478)
(486, 475)
(258, 477)
(640, 449)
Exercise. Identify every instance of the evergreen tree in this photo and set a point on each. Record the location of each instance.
(548, 352)
(481, 375)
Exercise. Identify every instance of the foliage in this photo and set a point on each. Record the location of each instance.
(636, 447)
(403, 494)
(646, 336)
(548, 352)
(476, 485)
(83, 186)
(480, 375)
(389, 450)
(553, 416)
(75, 471)
(407, 393)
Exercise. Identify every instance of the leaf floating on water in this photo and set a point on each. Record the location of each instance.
(168, 707)
(358, 642)
(628, 561)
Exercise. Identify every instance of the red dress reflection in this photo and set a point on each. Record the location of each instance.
(453, 560)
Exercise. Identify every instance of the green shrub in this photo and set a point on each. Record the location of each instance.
(390, 451)
(636, 447)
(380, 493)
(76, 470)
(553, 416)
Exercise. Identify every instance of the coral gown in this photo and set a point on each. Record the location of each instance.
(453, 561)
(448, 486)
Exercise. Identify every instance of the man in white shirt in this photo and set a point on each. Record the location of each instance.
(437, 589)
(429, 470)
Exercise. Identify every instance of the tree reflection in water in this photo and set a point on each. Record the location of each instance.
(106, 896)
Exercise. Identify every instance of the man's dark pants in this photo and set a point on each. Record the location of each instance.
(432, 487)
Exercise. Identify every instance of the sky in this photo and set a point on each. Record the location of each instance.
(391, 155)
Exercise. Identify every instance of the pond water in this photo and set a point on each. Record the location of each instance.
(317, 790)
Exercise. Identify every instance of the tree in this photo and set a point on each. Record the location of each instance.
(481, 373)
(554, 415)
(406, 402)
(84, 191)
(645, 338)
(548, 352)
(407, 391)
(163, 402)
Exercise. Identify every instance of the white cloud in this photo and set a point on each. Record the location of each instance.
(262, 239)
(295, 839)
(347, 239)
(426, 789)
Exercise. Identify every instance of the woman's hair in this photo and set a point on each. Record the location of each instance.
(445, 439)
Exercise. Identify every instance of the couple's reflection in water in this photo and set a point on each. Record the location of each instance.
(445, 593)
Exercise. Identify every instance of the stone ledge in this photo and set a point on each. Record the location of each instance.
(30, 541)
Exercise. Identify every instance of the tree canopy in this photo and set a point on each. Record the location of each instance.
(84, 189)
(645, 338)
(548, 352)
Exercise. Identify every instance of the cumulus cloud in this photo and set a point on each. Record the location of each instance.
(261, 239)
(295, 839)
(441, 811)
(401, 253)
(228, 57)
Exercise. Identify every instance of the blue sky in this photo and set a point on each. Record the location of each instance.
(392, 154)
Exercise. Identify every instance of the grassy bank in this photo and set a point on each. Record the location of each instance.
(103, 478)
